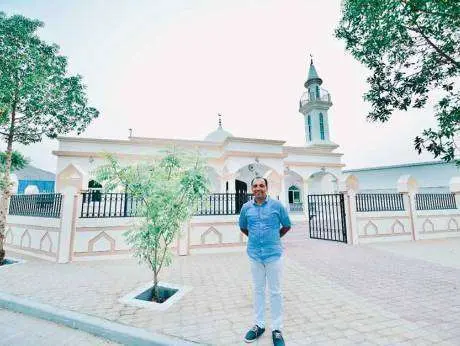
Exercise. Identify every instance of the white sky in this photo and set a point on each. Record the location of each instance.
(166, 68)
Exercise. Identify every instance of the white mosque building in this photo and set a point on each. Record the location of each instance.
(292, 172)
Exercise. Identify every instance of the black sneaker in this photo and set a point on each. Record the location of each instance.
(277, 338)
(254, 333)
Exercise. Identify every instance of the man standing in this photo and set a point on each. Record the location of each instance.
(260, 220)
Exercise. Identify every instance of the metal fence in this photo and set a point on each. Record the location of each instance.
(435, 201)
(222, 204)
(96, 204)
(41, 205)
(379, 202)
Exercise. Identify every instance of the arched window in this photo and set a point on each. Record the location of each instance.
(321, 126)
(294, 194)
(318, 95)
(309, 127)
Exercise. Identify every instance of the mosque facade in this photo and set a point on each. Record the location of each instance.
(232, 162)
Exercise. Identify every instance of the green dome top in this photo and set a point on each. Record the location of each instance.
(313, 76)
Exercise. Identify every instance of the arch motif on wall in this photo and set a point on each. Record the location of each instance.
(397, 227)
(428, 226)
(371, 229)
(211, 230)
(9, 237)
(452, 225)
(25, 239)
(46, 244)
(101, 236)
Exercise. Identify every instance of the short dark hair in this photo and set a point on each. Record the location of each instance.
(266, 182)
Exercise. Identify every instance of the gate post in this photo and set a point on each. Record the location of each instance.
(306, 206)
(408, 186)
(348, 186)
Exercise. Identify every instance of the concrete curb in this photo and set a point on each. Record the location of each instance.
(97, 326)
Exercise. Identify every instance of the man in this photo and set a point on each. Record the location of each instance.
(260, 220)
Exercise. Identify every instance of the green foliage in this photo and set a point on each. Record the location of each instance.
(167, 191)
(412, 47)
(37, 97)
(18, 161)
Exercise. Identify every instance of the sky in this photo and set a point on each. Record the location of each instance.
(165, 68)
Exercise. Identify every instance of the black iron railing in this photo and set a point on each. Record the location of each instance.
(97, 204)
(327, 218)
(222, 204)
(41, 205)
(296, 207)
(379, 202)
(435, 201)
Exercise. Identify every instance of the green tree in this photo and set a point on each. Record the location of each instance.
(167, 192)
(37, 97)
(412, 48)
(18, 161)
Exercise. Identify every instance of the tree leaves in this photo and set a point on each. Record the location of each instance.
(412, 47)
(39, 97)
(167, 191)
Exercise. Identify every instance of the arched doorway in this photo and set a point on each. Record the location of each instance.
(294, 199)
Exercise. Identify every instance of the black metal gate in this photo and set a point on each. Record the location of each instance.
(326, 215)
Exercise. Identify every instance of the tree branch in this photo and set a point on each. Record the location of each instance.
(435, 47)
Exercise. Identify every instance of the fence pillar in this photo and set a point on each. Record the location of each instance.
(349, 185)
(183, 240)
(454, 187)
(68, 216)
(70, 181)
(407, 185)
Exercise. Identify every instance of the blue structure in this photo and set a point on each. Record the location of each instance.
(30, 175)
(431, 176)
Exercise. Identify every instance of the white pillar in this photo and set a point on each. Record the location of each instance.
(408, 186)
(283, 192)
(349, 186)
(68, 216)
(454, 187)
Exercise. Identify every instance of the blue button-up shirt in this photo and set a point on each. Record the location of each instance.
(263, 223)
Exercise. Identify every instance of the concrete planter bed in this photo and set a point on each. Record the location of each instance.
(142, 297)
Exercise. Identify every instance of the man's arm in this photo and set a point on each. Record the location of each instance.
(243, 221)
(285, 221)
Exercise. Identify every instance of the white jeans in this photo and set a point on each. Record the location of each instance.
(261, 275)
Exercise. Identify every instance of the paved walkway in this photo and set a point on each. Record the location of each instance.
(334, 294)
(21, 330)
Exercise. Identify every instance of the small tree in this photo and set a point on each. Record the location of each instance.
(167, 192)
(37, 98)
(412, 47)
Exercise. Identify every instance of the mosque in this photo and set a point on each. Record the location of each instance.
(232, 162)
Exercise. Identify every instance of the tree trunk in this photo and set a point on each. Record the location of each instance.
(155, 290)
(5, 197)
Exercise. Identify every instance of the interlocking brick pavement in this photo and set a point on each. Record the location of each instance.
(335, 294)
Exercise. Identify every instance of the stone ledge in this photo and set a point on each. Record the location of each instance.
(97, 326)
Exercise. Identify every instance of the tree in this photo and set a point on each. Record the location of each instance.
(37, 97)
(18, 161)
(412, 48)
(167, 192)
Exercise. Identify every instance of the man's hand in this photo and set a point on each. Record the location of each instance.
(245, 231)
(284, 230)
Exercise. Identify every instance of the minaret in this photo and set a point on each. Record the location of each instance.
(314, 105)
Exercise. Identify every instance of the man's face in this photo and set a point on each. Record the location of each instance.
(259, 189)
